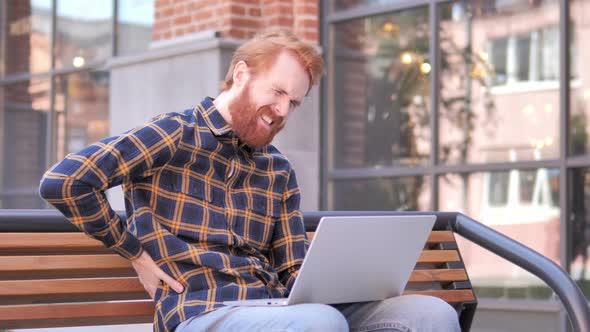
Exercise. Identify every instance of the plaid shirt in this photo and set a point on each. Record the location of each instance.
(217, 216)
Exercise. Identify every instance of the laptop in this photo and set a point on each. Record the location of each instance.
(356, 259)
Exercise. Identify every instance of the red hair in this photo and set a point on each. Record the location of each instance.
(261, 52)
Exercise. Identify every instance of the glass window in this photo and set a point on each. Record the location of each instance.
(27, 33)
(498, 188)
(499, 97)
(406, 194)
(381, 87)
(523, 57)
(84, 32)
(499, 48)
(579, 227)
(534, 222)
(348, 4)
(24, 113)
(134, 26)
(527, 183)
(549, 53)
(579, 143)
(81, 111)
(531, 56)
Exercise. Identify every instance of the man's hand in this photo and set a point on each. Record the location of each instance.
(150, 275)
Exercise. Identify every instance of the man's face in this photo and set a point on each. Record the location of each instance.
(261, 107)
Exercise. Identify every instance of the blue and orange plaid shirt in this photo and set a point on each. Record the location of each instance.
(219, 217)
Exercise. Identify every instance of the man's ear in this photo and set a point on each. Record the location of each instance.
(241, 74)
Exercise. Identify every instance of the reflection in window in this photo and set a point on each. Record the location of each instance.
(81, 108)
(526, 185)
(529, 56)
(349, 4)
(535, 223)
(381, 75)
(27, 43)
(498, 188)
(134, 26)
(499, 96)
(523, 58)
(84, 32)
(579, 142)
(24, 112)
(406, 194)
(553, 187)
(499, 51)
(579, 227)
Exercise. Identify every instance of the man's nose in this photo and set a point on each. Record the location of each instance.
(282, 108)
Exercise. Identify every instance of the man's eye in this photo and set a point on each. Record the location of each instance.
(277, 92)
(293, 105)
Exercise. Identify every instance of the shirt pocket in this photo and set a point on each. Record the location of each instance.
(260, 217)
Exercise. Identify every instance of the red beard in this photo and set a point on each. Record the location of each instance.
(247, 123)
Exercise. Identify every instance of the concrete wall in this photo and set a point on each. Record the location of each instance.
(177, 75)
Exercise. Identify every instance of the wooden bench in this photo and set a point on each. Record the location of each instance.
(51, 279)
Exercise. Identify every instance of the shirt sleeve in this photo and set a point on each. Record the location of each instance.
(76, 185)
(289, 243)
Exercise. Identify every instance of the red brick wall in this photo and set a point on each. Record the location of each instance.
(236, 18)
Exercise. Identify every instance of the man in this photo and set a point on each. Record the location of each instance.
(213, 208)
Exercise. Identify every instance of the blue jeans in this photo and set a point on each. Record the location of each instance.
(414, 313)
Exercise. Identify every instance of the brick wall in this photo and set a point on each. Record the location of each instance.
(239, 19)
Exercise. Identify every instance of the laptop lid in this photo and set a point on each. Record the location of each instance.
(360, 258)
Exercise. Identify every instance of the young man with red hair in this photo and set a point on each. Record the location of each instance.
(213, 209)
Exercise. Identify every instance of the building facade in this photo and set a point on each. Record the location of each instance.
(476, 106)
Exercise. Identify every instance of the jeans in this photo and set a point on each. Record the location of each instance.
(414, 313)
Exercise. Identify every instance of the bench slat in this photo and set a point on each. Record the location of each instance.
(114, 261)
(439, 256)
(440, 237)
(70, 286)
(132, 284)
(33, 242)
(62, 262)
(443, 275)
(75, 314)
(450, 296)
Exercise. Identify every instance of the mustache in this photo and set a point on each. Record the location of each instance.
(277, 120)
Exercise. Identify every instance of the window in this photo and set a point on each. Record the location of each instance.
(523, 59)
(27, 44)
(81, 111)
(84, 32)
(134, 25)
(498, 102)
(526, 186)
(498, 188)
(520, 210)
(24, 118)
(381, 194)
(381, 83)
(499, 51)
(532, 56)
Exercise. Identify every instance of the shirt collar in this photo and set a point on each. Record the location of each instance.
(213, 118)
(216, 122)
